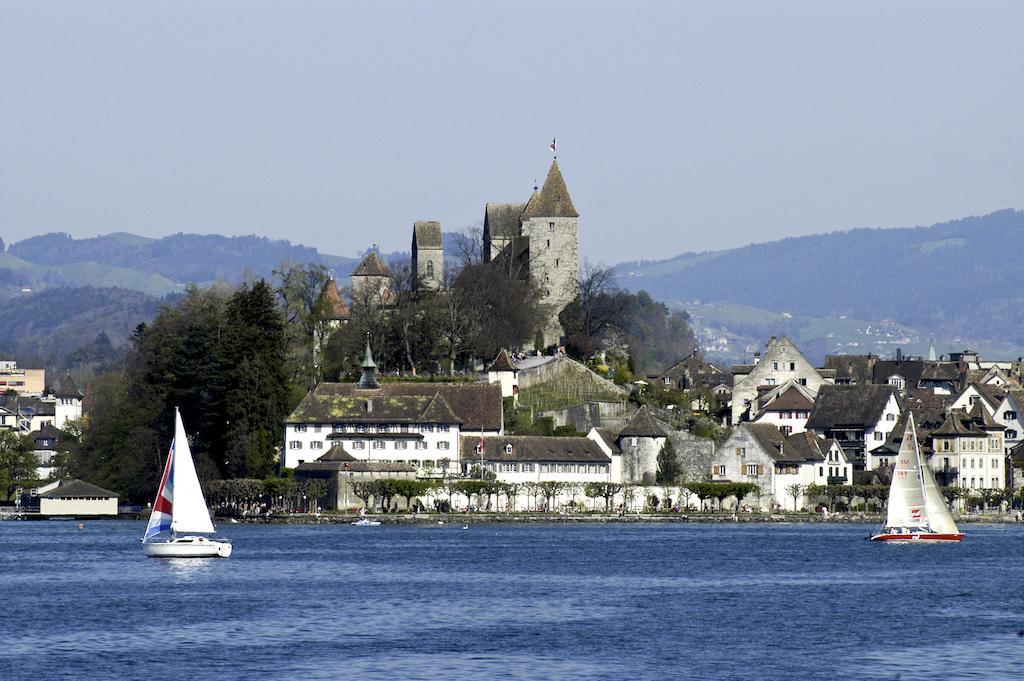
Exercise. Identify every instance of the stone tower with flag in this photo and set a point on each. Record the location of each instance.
(543, 236)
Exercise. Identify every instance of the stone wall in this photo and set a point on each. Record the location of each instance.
(554, 265)
(610, 415)
(562, 383)
(695, 454)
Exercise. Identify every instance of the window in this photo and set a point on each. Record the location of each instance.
(361, 428)
(316, 428)
(549, 243)
(479, 448)
(378, 444)
(786, 430)
(543, 468)
(404, 428)
(802, 381)
(945, 445)
(1009, 415)
(821, 471)
(556, 262)
(740, 451)
(359, 445)
(383, 428)
(401, 444)
(1010, 434)
(752, 469)
(442, 428)
(339, 428)
(427, 428)
(294, 444)
(890, 417)
(792, 366)
(508, 448)
(775, 366)
(528, 467)
(719, 470)
(443, 444)
(421, 445)
(300, 427)
(551, 226)
(430, 269)
(879, 436)
(769, 381)
(316, 444)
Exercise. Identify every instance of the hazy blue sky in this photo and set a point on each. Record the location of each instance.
(681, 126)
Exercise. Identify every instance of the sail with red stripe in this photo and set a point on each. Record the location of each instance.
(163, 507)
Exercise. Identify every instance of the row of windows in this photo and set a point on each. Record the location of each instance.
(794, 414)
(980, 483)
(379, 428)
(377, 444)
(970, 444)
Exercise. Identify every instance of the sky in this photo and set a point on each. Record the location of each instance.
(682, 126)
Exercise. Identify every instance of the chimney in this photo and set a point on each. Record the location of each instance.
(899, 355)
(757, 357)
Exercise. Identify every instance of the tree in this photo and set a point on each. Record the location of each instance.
(549, 489)
(668, 463)
(795, 490)
(603, 490)
(17, 462)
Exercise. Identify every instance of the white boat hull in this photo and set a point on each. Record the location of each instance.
(187, 547)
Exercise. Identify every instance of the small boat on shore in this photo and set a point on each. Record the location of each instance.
(181, 507)
(917, 510)
(363, 522)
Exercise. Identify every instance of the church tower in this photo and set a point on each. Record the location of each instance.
(427, 254)
(550, 221)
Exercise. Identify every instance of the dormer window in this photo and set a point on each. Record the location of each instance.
(479, 448)
(508, 447)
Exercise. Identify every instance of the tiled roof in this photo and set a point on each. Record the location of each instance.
(849, 405)
(961, 424)
(791, 400)
(855, 368)
(476, 405)
(68, 489)
(371, 266)
(332, 304)
(642, 425)
(534, 448)
(427, 234)
(27, 405)
(804, 446)
(553, 200)
(608, 437)
(501, 220)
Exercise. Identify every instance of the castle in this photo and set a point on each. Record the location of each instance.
(539, 236)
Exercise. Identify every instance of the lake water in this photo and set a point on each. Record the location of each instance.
(505, 601)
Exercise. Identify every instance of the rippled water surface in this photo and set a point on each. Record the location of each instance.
(533, 602)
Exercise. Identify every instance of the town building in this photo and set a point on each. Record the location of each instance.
(967, 450)
(782, 362)
(535, 459)
(1010, 415)
(46, 445)
(859, 417)
(787, 407)
(74, 499)
(693, 372)
(988, 396)
(411, 423)
(25, 382)
(505, 373)
(640, 441)
(761, 454)
(341, 472)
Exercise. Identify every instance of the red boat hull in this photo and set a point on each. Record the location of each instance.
(918, 537)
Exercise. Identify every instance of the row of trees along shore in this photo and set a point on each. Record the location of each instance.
(236, 360)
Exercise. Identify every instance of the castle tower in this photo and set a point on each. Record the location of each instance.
(550, 221)
(427, 254)
(501, 225)
(371, 281)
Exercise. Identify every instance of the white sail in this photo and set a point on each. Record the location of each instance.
(939, 518)
(907, 505)
(190, 513)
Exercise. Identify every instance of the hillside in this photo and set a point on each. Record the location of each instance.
(951, 280)
(179, 258)
(45, 329)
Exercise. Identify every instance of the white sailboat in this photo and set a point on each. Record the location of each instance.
(181, 507)
(917, 509)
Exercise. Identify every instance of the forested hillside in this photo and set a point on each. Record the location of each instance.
(955, 279)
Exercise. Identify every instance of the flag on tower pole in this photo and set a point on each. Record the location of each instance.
(552, 146)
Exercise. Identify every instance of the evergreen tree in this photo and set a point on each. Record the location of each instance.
(668, 464)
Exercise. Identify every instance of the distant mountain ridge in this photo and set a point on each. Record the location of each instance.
(954, 279)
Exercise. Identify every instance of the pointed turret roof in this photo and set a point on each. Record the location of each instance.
(371, 266)
(643, 425)
(502, 363)
(368, 381)
(331, 302)
(67, 387)
(553, 200)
